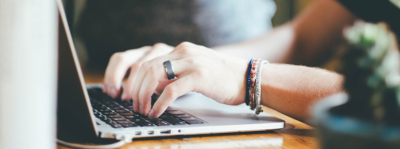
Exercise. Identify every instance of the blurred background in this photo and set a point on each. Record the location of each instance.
(102, 27)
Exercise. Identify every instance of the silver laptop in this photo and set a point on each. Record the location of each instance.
(85, 112)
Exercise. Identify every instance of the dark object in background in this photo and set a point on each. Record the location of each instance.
(107, 26)
(369, 119)
(342, 132)
(376, 11)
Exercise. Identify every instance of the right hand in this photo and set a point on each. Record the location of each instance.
(197, 69)
(121, 62)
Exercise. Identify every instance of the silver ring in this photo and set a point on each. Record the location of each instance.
(169, 70)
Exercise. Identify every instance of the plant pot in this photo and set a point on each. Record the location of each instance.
(341, 132)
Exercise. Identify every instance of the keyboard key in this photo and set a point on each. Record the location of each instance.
(118, 119)
(137, 120)
(183, 116)
(129, 107)
(189, 119)
(130, 116)
(108, 103)
(104, 98)
(171, 109)
(124, 122)
(146, 118)
(103, 117)
(177, 112)
(127, 114)
(109, 113)
(105, 110)
(159, 122)
(117, 108)
(166, 116)
(195, 122)
(115, 125)
(144, 124)
(108, 121)
(113, 105)
(138, 114)
(123, 111)
(130, 125)
(173, 121)
(101, 107)
(125, 103)
(98, 114)
(114, 116)
(181, 123)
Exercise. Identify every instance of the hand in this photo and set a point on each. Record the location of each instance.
(198, 69)
(121, 62)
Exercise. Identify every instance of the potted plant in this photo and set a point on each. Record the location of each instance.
(368, 114)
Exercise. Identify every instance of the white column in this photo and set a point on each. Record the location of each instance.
(28, 74)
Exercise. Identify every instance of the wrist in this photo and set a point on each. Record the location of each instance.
(240, 66)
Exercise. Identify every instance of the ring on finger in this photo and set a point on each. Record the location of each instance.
(169, 69)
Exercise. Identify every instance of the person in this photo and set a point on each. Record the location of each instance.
(220, 74)
(106, 27)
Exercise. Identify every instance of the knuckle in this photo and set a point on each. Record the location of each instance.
(192, 61)
(185, 51)
(170, 91)
(158, 45)
(145, 66)
(201, 73)
(153, 70)
(135, 66)
(185, 44)
(117, 56)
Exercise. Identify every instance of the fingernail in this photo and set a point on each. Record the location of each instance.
(151, 114)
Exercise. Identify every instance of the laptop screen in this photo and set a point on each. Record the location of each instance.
(74, 113)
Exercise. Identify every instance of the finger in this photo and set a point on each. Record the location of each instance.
(147, 88)
(150, 54)
(141, 74)
(117, 68)
(154, 76)
(172, 91)
(126, 94)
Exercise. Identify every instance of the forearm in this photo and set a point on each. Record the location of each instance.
(310, 39)
(273, 46)
(292, 90)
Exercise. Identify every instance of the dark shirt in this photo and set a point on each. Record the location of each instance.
(108, 26)
(376, 11)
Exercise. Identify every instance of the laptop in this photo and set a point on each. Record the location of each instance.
(87, 113)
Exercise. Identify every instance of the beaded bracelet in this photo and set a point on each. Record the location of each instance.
(248, 82)
(253, 93)
(258, 106)
(252, 90)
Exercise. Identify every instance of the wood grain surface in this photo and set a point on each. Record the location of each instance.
(295, 135)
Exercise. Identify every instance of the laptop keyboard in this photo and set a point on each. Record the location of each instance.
(119, 114)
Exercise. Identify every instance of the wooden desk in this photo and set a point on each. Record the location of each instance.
(295, 135)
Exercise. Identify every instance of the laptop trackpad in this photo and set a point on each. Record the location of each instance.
(216, 113)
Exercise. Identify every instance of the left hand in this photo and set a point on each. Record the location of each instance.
(198, 69)
(130, 60)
